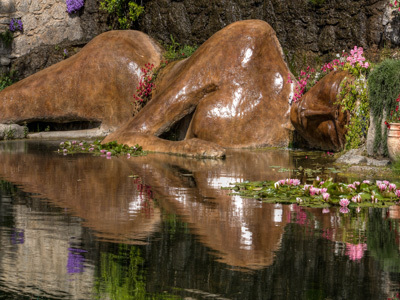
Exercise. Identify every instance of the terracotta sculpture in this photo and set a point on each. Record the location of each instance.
(232, 92)
(317, 116)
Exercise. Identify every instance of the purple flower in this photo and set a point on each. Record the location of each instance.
(16, 22)
(74, 5)
(108, 153)
(12, 26)
(20, 26)
(75, 260)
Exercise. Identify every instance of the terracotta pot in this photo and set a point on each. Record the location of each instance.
(393, 141)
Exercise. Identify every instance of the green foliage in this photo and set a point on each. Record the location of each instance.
(7, 79)
(9, 134)
(353, 99)
(97, 148)
(368, 194)
(125, 11)
(122, 276)
(7, 38)
(384, 87)
(175, 51)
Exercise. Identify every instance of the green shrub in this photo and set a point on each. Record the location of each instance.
(125, 11)
(383, 87)
(7, 79)
(7, 38)
(175, 51)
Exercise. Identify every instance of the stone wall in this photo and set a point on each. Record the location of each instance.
(303, 28)
(48, 30)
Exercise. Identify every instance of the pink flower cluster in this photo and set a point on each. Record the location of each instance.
(356, 56)
(316, 191)
(146, 86)
(287, 181)
(355, 252)
(333, 65)
(395, 4)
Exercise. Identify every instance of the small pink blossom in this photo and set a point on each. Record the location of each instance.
(325, 196)
(108, 153)
(325, 210)
(355, 252)
(382, 187)
(344, 202)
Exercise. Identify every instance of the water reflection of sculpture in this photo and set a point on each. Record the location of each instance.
(244, 232)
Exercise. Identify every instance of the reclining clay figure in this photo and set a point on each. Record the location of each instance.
(232, 92)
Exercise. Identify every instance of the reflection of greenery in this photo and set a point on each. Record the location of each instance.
(122, 276)
(381, 240)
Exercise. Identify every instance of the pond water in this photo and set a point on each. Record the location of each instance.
(161, 227)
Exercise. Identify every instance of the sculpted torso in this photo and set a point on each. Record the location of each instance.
(232, 92)
(235, 85)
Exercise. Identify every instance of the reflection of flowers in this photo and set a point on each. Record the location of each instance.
(17, 236)
(75, 260)
(355, 252)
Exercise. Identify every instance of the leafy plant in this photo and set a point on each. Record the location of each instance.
(175, 51)
(125, 11)
(7, 79)
(354, 99)
(321, 193)
(7, 38)
(97, 148)
(9, 134)
(383, 88)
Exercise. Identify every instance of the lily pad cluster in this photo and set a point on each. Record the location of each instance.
(322, 193)
(97, 148)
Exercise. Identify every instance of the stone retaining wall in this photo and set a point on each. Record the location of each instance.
(47, 23)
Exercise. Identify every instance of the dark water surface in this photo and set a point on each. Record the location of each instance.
(160, 227)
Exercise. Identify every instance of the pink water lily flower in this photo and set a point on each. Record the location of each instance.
(344, 210)
(355, 252)
(108, 153)
(344, 202)
(351, 186)
(392, 187)
(325, 210)
(313, 191)
(397, 193)
(382, 187)
(325, 196)
(356, 198)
